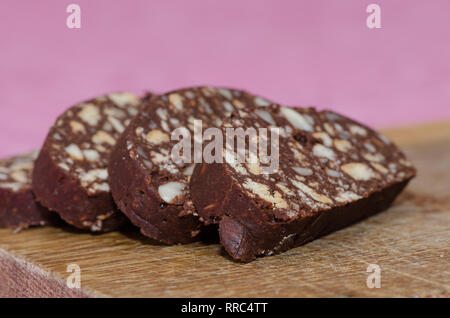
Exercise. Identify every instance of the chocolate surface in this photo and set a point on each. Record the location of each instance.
(332, 172)
(149, 186)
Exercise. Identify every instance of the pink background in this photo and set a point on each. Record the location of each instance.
(312, 52)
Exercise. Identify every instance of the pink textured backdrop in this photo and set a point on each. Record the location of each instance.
(294, 52)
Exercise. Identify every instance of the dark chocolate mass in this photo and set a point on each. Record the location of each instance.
(332, 172)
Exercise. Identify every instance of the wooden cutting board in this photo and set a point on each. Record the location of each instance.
(409, 242)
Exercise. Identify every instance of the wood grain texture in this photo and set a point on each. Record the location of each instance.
(410, 242)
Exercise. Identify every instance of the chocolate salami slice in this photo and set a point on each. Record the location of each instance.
(332, 172)
(18, 209)
(149, 184)
(70, 175)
